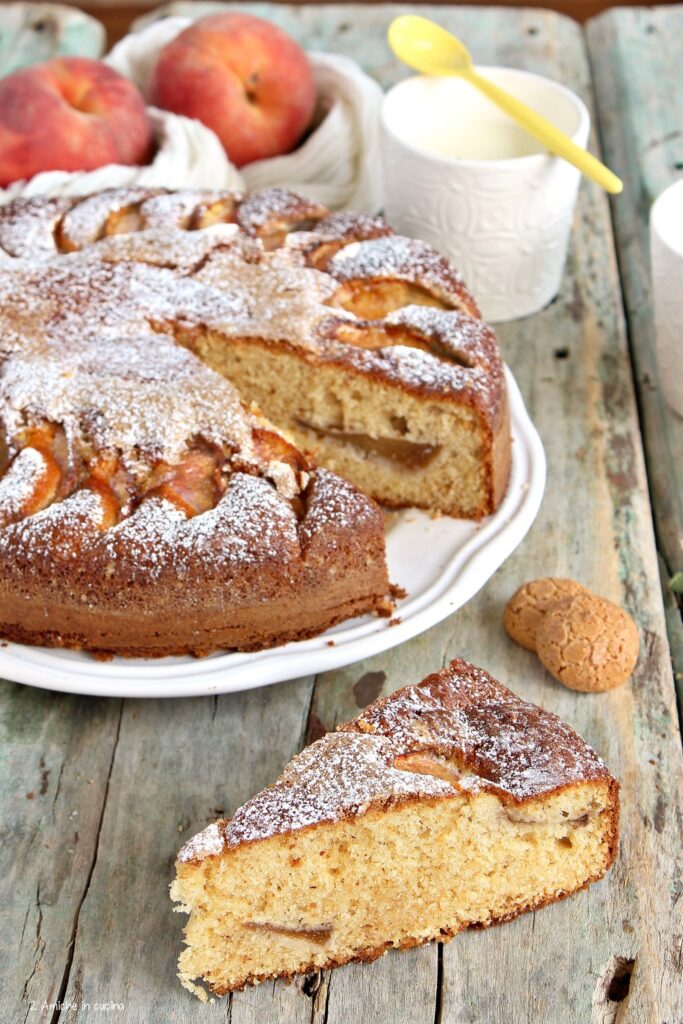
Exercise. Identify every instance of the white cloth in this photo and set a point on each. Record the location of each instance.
(188, 156)
(338, 164)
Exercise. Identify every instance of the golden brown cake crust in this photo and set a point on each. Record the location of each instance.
(248, 574)
(500, 744)
(516, 749)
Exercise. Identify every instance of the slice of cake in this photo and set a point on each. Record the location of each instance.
(447, 805)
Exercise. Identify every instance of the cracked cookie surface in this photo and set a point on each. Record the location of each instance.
(588, 643)
(528, 606)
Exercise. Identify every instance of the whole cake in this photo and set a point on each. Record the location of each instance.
(446, 805)
(148, 508)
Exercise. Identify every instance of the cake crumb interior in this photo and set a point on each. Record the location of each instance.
(390, 878)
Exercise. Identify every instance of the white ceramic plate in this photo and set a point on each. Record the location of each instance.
(441, 563)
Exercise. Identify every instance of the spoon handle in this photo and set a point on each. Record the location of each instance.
(551, 137)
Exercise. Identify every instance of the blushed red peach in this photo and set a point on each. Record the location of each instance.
(241, 76)
(70, 114)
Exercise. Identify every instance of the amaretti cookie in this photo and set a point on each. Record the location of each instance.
(588, 643)
(528, 606)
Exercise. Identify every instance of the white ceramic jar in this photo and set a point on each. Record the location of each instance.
(461, 175)
(666, 253)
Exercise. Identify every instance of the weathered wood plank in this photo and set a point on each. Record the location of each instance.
(32, 32)
(115, 12)
(637, 58)
(674, 628)
(55, 757)
(178, 765)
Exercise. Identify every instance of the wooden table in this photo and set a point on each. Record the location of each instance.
(117, 14)
(97, 795)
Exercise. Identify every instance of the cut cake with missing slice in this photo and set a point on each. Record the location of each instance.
(446, 805)
(364, 346)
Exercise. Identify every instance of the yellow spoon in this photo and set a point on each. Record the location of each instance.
(432, 50)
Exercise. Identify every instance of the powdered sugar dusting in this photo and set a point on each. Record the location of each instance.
(86, 221)
(342, 228)
(281, 302)
(58, 532)
(465, 338)
(142, 396)
(403, 259)
(168, 247)
(208, 843)
(350, 225)
(146, 540)
(339, 776)
(274, 208)
(250, 527)
(174, 210)
(19, 483)
(334, 507)
(426, 371)
(27, 227)
(501, 744)
(79, 296)
(465, 714)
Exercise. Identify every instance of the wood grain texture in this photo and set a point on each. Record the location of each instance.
(32, 32)
(636, 58)
(179, 765)
(56, 756)
(117, 14)
(161, 770)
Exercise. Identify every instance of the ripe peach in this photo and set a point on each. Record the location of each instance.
(70, 114)
(241, 76)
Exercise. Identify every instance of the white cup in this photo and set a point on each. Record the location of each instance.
(666, 253)
(461, 175)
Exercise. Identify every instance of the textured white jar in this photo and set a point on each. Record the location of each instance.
(666, 252)
(461, 175)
